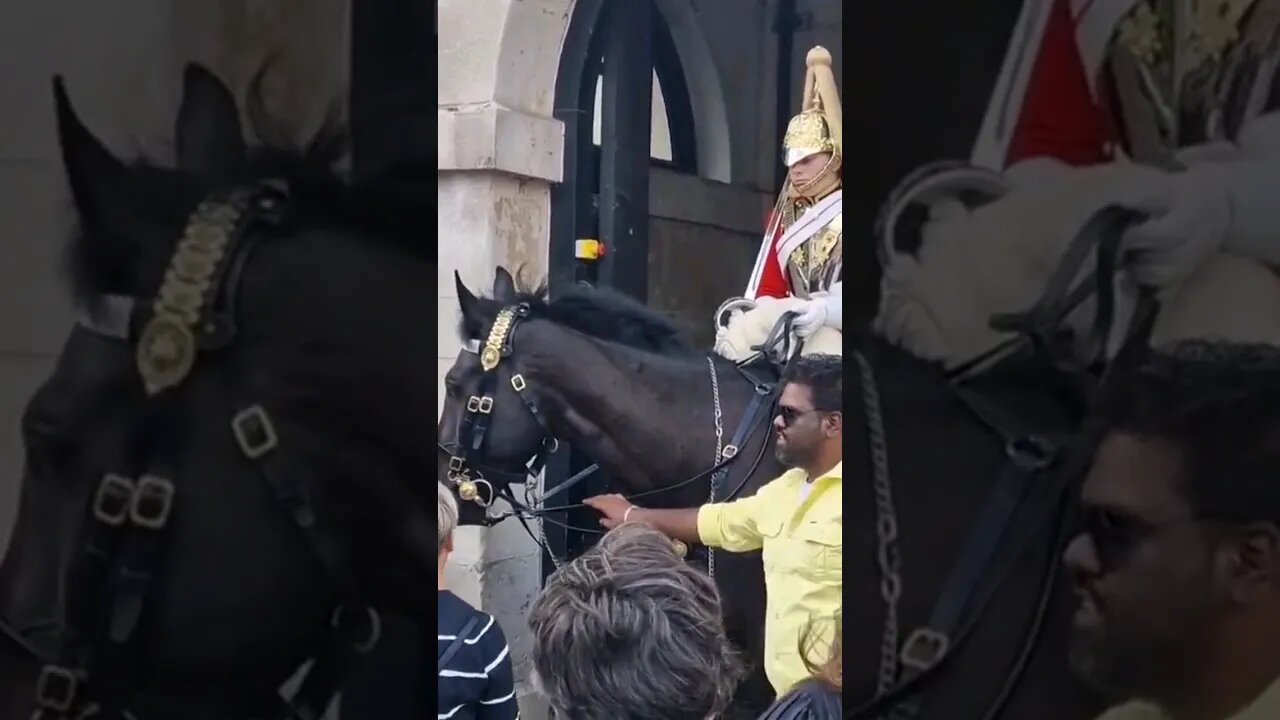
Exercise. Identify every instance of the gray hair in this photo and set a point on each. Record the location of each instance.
(628, 631)
(446, 515)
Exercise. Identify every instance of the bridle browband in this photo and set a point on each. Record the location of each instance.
(112, 573)
(469, 476)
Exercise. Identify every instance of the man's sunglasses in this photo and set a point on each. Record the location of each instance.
(789, 414)
(1116, 535)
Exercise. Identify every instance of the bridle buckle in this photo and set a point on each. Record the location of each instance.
(482, 405)
(254, 432)
(152, 502)
(361, 644)
(924, 649)
(57, 688)
(112, 502)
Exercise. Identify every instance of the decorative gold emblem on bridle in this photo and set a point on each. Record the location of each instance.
(491, 355)
(167, 349)
(467, 490)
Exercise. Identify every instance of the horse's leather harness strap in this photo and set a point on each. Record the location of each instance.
(124, 541)
(1029, 457)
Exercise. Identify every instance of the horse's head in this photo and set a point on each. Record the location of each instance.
(250, 363)
(490, 427)
(526, 365)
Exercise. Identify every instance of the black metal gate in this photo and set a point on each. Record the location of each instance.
(604, 196)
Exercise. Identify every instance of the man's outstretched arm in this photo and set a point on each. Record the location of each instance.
(679, 523)
(731, 526)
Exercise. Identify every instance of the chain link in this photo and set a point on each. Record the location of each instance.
(715, 477)
(529, 488)
(887, 555)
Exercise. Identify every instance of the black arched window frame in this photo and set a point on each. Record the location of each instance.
(675, 94)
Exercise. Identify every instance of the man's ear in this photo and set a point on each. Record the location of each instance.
(833, 424)
(448, 543)
(1253, 564)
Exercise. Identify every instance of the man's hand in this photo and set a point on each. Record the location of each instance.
(613, 507)
(681, 523)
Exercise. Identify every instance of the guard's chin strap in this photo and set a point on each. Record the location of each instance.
(822, 184)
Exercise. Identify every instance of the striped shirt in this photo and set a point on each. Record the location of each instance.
(477, 683)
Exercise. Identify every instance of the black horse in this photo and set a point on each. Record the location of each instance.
(925, 461)
(191, 534)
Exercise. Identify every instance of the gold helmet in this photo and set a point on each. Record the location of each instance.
(818, 126)
(817, 129)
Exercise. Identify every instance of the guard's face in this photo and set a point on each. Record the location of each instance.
(806, 169)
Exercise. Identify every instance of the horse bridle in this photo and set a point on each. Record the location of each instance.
(111, 576)
(468, 475)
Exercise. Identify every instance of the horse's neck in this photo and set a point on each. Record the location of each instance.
(626, 409)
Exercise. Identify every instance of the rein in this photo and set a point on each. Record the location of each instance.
(111, 575)
(469, 475)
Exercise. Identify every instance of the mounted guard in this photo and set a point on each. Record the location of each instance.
(800, 267)
(1128, 104)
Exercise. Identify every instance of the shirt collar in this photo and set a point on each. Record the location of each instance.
(798, 475)
(1265, 707)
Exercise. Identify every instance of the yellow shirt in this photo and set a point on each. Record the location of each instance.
(1265, 707)
(803, 561)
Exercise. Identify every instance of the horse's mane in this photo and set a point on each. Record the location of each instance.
(386, 205)
(601, 313)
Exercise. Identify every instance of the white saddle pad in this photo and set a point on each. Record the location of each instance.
(747, 328)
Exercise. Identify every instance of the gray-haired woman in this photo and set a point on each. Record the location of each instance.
(628, 631)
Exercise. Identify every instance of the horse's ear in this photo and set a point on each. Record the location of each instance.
(98, 180)
(504, 286)
(467, 303)
(210, 141)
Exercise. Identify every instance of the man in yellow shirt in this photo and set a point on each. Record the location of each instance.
(796, 520)
(1177, 566)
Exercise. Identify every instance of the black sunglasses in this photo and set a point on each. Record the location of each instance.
(789, 414)
(1116, 535)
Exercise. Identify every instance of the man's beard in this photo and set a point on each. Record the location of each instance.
(790, 456)
(1127, 660)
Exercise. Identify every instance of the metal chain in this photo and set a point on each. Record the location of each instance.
(542, 526)
(715, 477)
(887, 555)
